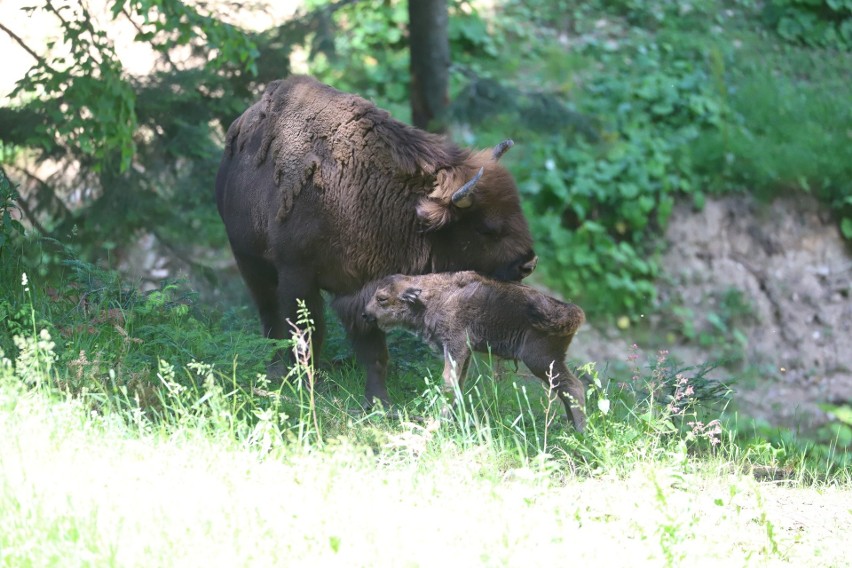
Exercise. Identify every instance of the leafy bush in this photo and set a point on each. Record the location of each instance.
(817, 23)
(107, 335)
(364, 49)
(598, 208)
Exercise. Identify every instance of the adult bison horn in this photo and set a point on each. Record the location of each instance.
(461, 198)
(501, 148)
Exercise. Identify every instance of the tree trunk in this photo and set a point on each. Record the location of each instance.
(429, 45)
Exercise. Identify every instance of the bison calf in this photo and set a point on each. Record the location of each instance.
(462, 311)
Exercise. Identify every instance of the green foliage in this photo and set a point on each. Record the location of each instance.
(669, 112)
(599, 207)
(824, 455)
(167, 23)
(217, 446)
(656, 411)
(817, 23)
(363, 48)
(786, 134)
(110, 337)
(87, 103)
(83, 109)
(85, 99)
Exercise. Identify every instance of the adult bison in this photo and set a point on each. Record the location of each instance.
(322, 190)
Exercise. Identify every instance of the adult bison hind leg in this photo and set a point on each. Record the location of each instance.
(276, 293)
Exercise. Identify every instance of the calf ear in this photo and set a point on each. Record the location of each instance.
(412, 296)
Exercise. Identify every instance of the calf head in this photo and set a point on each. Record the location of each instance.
(474, 221)
(395, 303)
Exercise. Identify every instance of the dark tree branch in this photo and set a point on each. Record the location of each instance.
(93, 54)
(28, 213)
(65, 213)
(165, 54)
(21, 42)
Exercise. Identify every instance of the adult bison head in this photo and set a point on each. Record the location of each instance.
(474, 219)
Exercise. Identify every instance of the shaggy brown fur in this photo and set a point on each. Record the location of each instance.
(463, 311)
(322, 190)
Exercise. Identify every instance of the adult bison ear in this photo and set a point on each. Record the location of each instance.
(433, 214)
(434, 211)
(411, 296)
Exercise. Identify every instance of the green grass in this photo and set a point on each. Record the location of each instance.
(790, 125)
(210, 465)
(203, 485)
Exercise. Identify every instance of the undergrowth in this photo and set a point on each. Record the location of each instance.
(138, 370)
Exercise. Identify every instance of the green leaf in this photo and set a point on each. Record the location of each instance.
(846, 227)
(843, 413)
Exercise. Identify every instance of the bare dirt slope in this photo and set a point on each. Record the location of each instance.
(790, 271)
(793, 270)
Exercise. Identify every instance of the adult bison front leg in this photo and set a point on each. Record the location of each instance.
(368, 342)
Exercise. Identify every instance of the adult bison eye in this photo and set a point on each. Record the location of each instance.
(490, 230)
(382, 300)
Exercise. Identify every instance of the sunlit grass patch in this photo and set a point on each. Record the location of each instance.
(77, 487)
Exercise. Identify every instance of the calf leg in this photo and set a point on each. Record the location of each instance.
(456, 362)
(567, 386)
